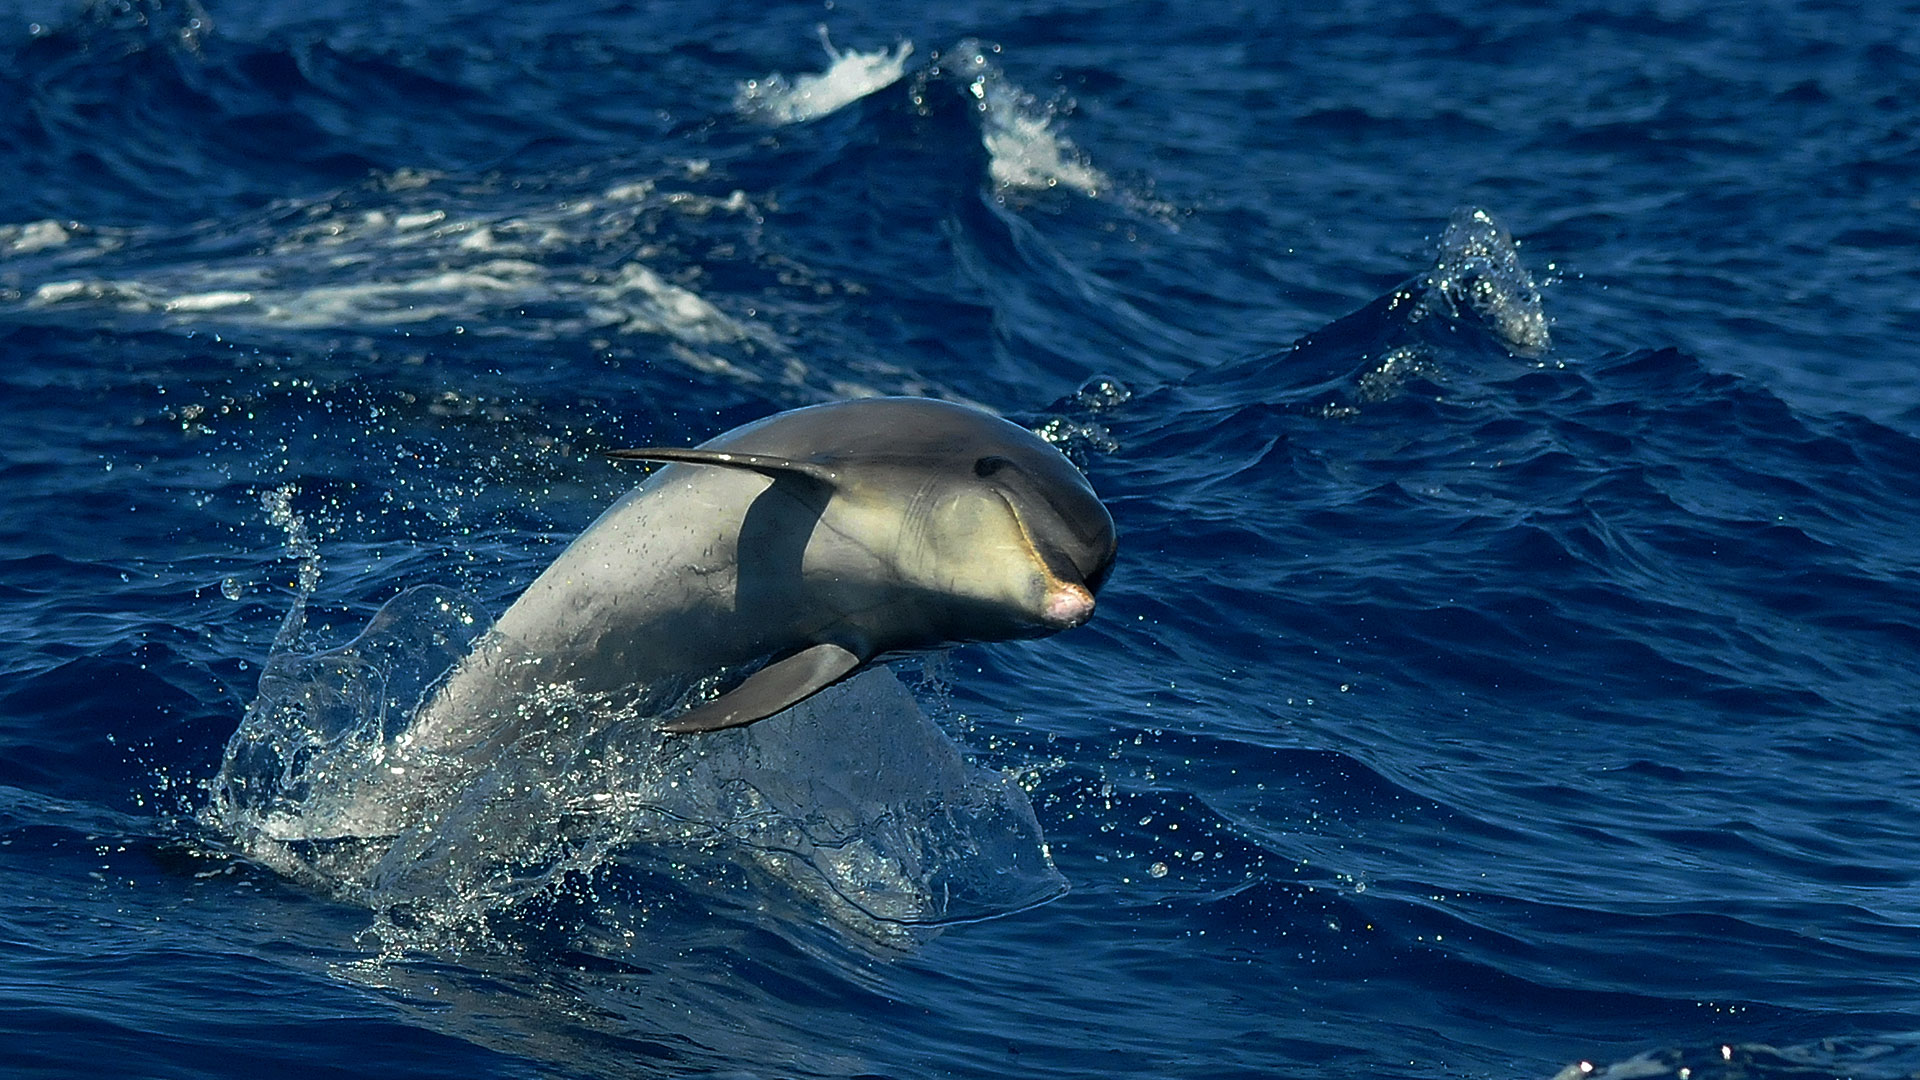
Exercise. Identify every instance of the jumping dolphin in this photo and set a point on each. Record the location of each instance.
(815, 540)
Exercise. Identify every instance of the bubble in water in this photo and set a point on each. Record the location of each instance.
(232, 589)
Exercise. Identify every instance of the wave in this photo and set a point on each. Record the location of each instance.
(676, 261)
(1613, 589)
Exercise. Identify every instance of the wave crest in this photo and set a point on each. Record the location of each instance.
(852, 75)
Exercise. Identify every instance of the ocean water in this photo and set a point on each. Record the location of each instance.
(1510, 417)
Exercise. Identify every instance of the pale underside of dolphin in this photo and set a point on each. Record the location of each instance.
(813, 542)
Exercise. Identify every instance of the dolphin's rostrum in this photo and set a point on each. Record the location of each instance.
(815, 540)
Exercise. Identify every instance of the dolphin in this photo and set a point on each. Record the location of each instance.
(812, 543)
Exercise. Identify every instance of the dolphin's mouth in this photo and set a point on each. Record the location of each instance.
(1070, 586)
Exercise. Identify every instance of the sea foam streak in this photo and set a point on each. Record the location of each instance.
(368, 270)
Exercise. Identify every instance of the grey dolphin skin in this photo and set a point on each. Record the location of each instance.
(815, 540)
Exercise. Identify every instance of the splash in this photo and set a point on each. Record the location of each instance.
(1478, 275)
(851, 76)
(311, 756)
(300, 547)
(1075, 427)
(1024, 151)
(853, 802)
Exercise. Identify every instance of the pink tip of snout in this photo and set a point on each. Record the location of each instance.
(1068, 606)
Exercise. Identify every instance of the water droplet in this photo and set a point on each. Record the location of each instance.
(1102, 392)
(232, 589)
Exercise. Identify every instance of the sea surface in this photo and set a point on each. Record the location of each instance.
(1511, 415)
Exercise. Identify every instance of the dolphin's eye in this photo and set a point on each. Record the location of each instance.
(989, 465)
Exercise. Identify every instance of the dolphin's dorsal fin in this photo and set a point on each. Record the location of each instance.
(777, 686)
(766, 464)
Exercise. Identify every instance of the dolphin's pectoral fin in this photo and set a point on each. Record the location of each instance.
(777, 686)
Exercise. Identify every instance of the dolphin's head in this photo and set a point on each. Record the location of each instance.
(1015, 524)
(941, 523)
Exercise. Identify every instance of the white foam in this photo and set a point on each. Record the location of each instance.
(209, 301)
(1026, 153)
(56, 292)
(1023, 149)
(639, 300)
(409, 222)
(127, 296)
(851, 76)
(33, 236)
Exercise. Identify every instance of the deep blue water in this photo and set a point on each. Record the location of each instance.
(1494, 679)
